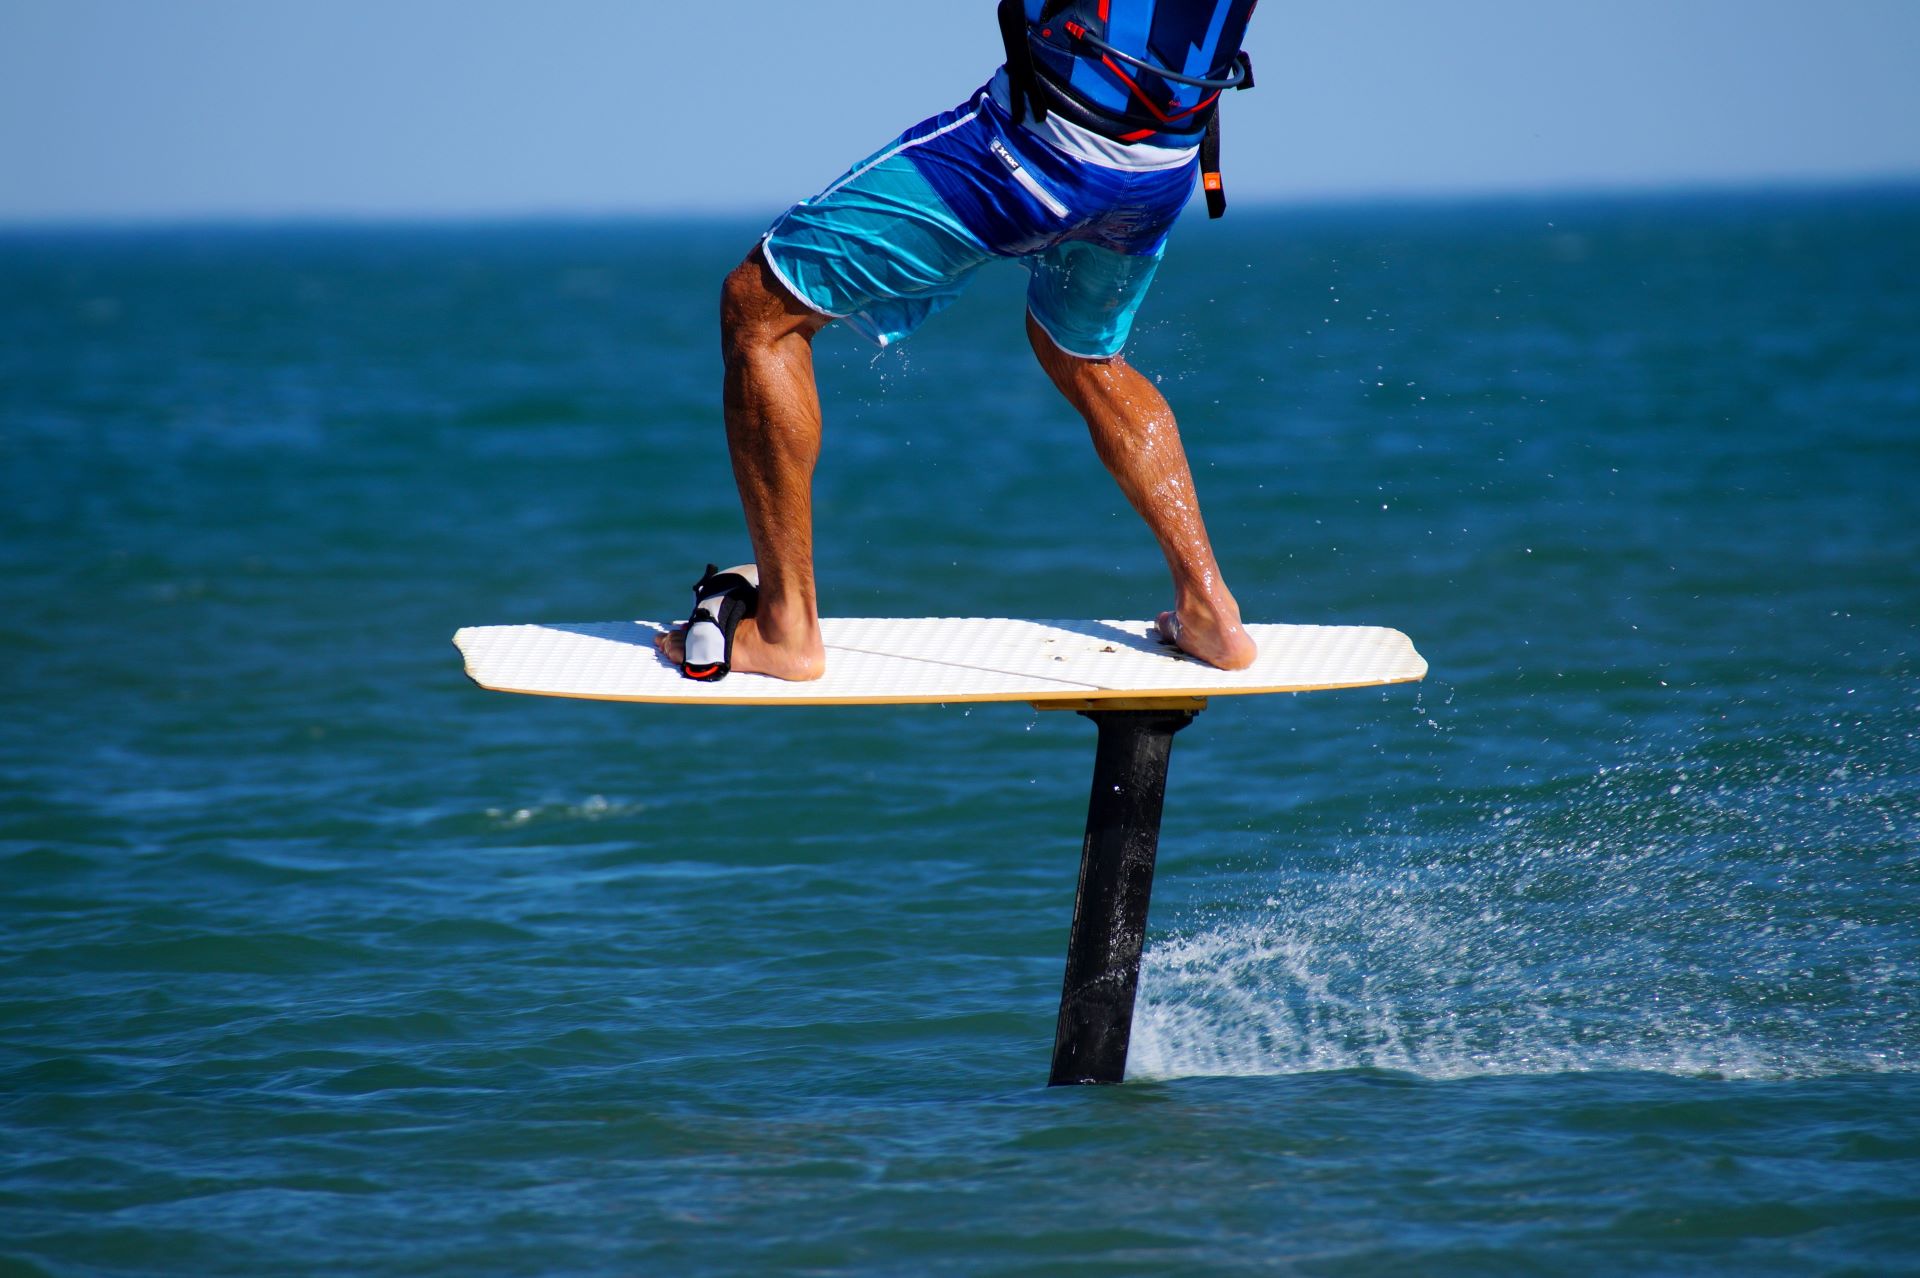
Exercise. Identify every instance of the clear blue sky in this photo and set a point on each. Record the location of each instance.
(171, 108)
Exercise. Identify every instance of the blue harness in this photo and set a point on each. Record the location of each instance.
(1131, 70)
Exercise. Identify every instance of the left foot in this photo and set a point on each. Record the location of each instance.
(800, 661)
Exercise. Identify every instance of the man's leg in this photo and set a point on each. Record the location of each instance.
(1134, 433)
(773, 434)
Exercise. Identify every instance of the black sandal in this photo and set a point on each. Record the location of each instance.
(720, 600)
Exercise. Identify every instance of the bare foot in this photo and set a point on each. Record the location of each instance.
(754, 655)
(1199, 632)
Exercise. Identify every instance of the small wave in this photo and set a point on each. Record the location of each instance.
(244, 953)
(40, 863)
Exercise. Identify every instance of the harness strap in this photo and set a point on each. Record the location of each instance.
(1210, 179)
(1023, 87)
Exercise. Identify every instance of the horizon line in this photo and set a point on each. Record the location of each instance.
(1623, 192)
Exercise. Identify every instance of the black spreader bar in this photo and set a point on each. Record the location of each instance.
(1116, 886)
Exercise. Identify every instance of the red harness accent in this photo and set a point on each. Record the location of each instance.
(1158, 114)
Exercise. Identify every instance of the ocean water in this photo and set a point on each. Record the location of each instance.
(1599, 952)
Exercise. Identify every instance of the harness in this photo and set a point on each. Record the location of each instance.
(1079, 29)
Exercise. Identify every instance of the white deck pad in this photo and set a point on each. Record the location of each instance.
(894, 661)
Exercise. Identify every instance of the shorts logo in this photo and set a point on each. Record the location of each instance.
(1027, 181)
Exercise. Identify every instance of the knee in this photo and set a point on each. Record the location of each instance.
(742, 306)
(1075, 375)
(1049, 355)
(756, 312)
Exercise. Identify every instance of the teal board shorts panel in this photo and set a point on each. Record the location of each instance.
(876, 249)
(897, 238)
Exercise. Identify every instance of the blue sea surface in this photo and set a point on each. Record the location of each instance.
(1597, 953)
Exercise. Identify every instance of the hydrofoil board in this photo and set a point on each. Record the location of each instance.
(920, 660)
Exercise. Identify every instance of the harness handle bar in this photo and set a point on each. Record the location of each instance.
(1239, 71)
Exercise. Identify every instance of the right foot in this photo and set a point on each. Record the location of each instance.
(754, 655)
(1215, 639)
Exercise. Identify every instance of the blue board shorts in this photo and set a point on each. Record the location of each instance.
(896, 239)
